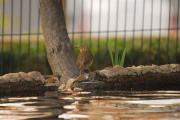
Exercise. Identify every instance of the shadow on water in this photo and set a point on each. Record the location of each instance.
(155, 105)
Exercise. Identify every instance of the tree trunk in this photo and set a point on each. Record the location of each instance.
(59, 50)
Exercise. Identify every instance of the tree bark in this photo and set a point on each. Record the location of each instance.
(59, 50)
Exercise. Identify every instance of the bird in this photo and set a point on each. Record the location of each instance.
(84, 59)
(52, 80)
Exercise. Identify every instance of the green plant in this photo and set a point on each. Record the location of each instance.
(116, 59)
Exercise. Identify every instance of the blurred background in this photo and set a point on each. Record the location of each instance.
(148, 29)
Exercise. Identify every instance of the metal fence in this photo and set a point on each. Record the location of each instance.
(148, 29)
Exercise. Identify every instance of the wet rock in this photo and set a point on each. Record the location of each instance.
(21, 76)
(22, 82)
(164, 77)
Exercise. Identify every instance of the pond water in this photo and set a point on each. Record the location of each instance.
(155, 105)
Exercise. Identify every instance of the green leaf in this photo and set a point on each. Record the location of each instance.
(123, 58)
(111, 55)
(116, 58)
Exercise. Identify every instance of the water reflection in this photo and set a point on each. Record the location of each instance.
(159, 105)
(29, 108)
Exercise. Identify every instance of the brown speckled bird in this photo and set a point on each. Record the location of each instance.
(84, 59)
(52, 79)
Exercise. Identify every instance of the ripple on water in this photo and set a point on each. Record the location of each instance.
(157, 105)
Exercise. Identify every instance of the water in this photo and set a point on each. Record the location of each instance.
(157, 105)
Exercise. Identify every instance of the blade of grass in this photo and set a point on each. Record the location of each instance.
(111, 55)
(116, 58)
(123, 58)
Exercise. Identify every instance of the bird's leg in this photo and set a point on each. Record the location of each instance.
(87, 70)
(80, 75)
(79, 78)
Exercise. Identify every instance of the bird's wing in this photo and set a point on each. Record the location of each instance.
(80, 61)
(88, 59)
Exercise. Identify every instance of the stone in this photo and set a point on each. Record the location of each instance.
(153, 77)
